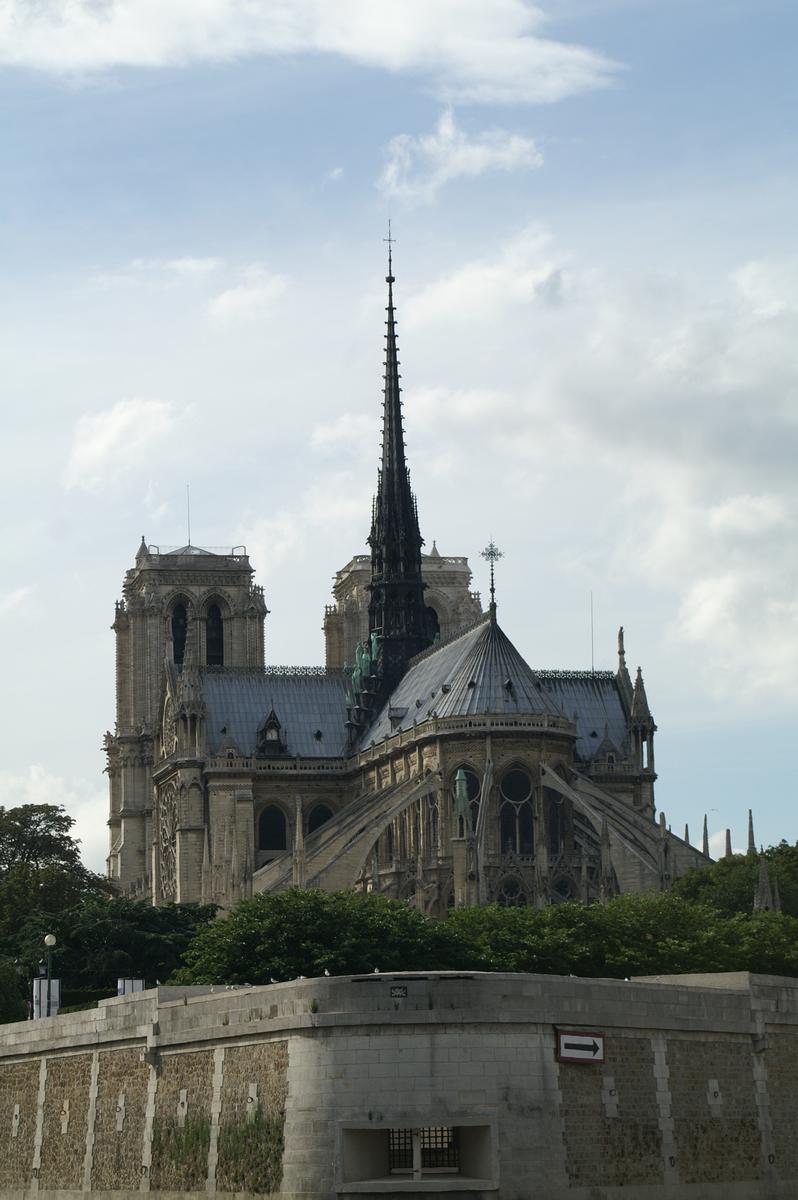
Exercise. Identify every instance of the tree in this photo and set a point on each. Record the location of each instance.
(40, 870)
(102, 939)
(651, 934)
(730, 884)
(307, 932)
(13, 1006)
(37, 835)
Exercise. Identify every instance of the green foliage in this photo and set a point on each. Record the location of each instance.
(180, 1153)
(730, 884)
(41, 875)
(13, 1005)
(305, 932)
(650, 934)
(281, 936)
(251, 1154)
(37, 835)
(44, 888)
(101, 939)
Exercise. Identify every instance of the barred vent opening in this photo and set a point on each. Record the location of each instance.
(434, 1149)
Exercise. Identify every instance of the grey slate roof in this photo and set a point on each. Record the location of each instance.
(478, 672)
(306, 702)
(439, 681)
(595, 698)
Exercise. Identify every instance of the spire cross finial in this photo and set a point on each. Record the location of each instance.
(390, 240)
(492, 554)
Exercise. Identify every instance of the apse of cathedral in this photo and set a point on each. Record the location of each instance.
(426, 760)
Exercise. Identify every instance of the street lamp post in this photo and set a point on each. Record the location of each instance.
(49, 942)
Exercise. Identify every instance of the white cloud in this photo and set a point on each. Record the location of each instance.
(416, 168)
(255, 296)
(335, 174)
(671, 410)
(526, 269)
(14, 599)
(161, 271)
(717, 845)
(107, 445)
(349, 430)
(86, 802)
(464, 50)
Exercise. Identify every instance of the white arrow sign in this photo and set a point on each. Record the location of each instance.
(576, 1045)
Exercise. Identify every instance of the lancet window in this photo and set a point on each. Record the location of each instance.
(516, 833)
(179, 631)
(272, 830)
(214, 637)
(318, 817)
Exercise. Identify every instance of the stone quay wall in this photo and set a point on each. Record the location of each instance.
(332, 1087)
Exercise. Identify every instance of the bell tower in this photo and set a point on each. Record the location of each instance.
(178, 603)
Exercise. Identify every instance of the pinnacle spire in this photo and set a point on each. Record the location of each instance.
(492, 554)
(705, 839)
(396, 609)
(751, 839)
(763, 898)
(641, 713)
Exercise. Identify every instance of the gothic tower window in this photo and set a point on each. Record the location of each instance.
(515, 813)
(272, 831)
(179, 631)
(214, 637)
(320, 816)
(433, 624)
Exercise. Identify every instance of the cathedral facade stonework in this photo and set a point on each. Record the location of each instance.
(426, 760)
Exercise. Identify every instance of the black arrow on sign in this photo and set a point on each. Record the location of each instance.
(581, 1046)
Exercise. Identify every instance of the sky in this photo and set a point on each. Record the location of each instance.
(597, 292)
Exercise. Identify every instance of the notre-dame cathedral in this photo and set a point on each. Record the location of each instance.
(426, 760)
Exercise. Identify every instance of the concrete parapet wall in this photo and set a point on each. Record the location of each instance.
(301, 1090)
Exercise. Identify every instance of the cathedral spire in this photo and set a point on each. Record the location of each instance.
(396, 607)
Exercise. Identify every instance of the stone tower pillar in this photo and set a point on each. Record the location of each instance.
(175, 602)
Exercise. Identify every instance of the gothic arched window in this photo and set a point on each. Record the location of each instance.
(510, 894)
(562, 890)
(179, 630)
(320, 816)
(214, 637)
(515, 814)
(272, 830)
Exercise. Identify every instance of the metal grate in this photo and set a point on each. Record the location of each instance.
(400, 1149)
(439, 1148)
